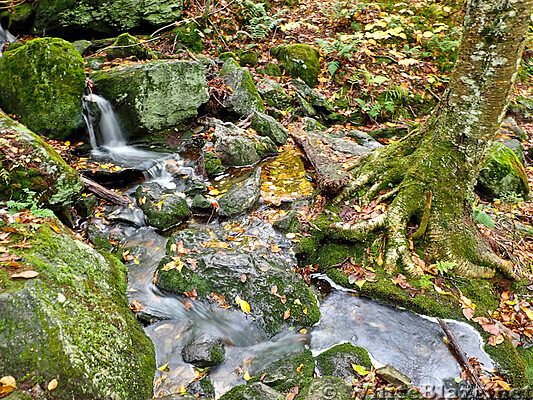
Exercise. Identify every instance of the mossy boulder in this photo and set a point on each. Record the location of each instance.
(190, 36)
(325, 388)
(103, 17)
(217, 266)
(337, 361)
(300, 61)
(244, 98)
(255, 391)
(503, 174)
(213, 164)
(127, 45)
(242, 196)
(204, 351)
(21, 18)
(43, 81)
(162, 208)
(270, 69)
(72, 322)
(248, 58)
(265, 125)
(149, 97)
(317, 100)
(28, 163)
(274, 95)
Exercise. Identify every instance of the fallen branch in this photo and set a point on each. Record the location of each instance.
(103, 192)
(330, 175)
(463, 359)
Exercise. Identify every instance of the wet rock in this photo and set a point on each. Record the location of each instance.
(127, 45)
(95, 63)
(208, 270)
(326, 388)
(35, 168)
(337, 361)
(85, 205)
(203, 387)
(20, 18)
(43, 81)
(149, 97)
(509, 127)
(106, 17)
(201, 203)
(274, 95)
(213, 164)
(267, 126)
(254, 391)
(305, 107)
(516, 147)
(72, 323)
(364, 139)
(236, 147)
(503, 174)
(82, 46)
(162, 208)
(244, 98)
(392, 375)
(204, 352)
(301, 61)
(242, 196)
(340, 144)
(292, 370)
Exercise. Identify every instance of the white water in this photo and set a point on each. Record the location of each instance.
(109, 141)
(5, 38)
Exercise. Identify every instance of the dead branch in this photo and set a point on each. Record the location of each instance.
(103, 192)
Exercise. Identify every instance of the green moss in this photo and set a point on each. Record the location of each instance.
(189, 35)
(43, 81)
(244, 98)
(213, 164)
(249, 58)
(301, 61)
(117, 49)
(336, 361)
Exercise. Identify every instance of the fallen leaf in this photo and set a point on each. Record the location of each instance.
(299, 369)
(245, 307)
(26, 274)
(287, 313)
(243, 278)
(7, 385)
(164, 368)
(52, 385)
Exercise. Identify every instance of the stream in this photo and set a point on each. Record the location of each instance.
(411, 343)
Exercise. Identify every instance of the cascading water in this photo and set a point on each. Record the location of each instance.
(108, 141)
(5, 38)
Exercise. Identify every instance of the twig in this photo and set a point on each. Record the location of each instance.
(219, 35)
(129, 45)
(247, 122)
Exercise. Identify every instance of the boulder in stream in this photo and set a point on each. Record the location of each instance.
(242, 197)
(43, 81)
(204, 351)
(265, 125)
(337, 361)
(255, 391)
(326, 388)
(71, 321)
(162, 208)
(153, 96)
(34, 171)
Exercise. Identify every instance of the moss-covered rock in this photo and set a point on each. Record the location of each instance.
(503, 174)
(255, 391)
(103, 17)
(72, 322)
(127, 45)
(301, 61)
(150, 97)
(213, 164)
(270, 69)
(28, 163)
(293, 370)
(249, 58)
(209, 271)
(265, 125)
(190, 36)
(244, 98)
(204, 352)
(325, 389)
(162, 208)
(274, 95)
(43, 81)
(242, 197)
(337, 361)
(82, 46)
(21, 18)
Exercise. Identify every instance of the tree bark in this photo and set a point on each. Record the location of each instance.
(443, 159)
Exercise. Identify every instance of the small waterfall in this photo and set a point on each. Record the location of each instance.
(5, 38)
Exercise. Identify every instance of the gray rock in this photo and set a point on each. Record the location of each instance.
(149, 97)
(204, 352)
(242, 196)
(326, 388)
(305, 107)
(72, 323)
(337, 361)
(392, 375)
(125, 47)
(503, 174)
(317, 100)
(244, 98)
(203, 387)
(253, 391)
(201, 203)
(267, 126)
(516, 146)
(364, 139)
(389, 132)
(162, 208)
(82, 46)
(274, 95)
(312, 124)
(511, 128)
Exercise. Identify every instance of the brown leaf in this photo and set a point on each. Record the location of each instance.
(25, 275)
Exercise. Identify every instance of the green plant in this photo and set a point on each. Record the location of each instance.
(445, 266)
(425, 281)
(29, 201)
(256, 21)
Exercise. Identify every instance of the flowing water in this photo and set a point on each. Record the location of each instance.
(5, 38)
(411, 343)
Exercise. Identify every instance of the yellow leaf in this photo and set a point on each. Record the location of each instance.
(7, 385)
(67, 143)
(26, 274)
(439, 290)
(287, 313)
(303, 331)
(163, 367)
(379, 259)
(299, 369)
(55, 228)
(529, 314)
(427, 34)
(245, 307)
(247, 376)
(52, 384)
(360, 283)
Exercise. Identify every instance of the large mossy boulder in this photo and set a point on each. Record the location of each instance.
(104, 17)
(71, 322)
(242, 196)
(43, 81)
(503, 175)
(29, 165)
(265, 125)
(338, 360)
(244, 98)
(209, 261)
(127, 45)
(300, 61)
(152, 96)
(326, 388)
(253, 391)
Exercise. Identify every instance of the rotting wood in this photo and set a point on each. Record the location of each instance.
(463, 359)
(331, 177)
(103, 192)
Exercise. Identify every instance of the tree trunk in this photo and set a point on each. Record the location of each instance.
(435, 169)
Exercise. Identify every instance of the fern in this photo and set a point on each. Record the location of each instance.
(445, 266)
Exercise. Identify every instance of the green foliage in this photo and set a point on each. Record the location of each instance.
(29, 201)
(445, 266)
(481, 217)
(425, 281)
(256, 20)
